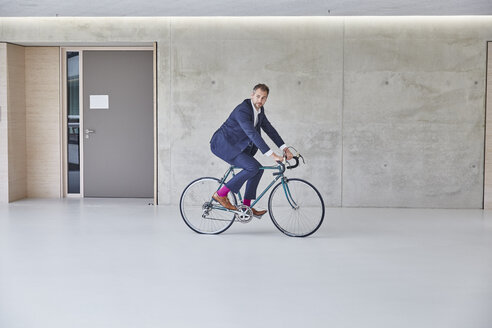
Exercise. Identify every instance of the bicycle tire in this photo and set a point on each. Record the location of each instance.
(195, 198)
(302, 221)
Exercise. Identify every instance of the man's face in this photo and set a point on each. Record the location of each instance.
(259, 98)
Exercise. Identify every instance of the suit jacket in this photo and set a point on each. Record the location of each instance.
(236, 133)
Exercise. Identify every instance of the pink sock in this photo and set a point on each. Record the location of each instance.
(223, 191)
(247, 202)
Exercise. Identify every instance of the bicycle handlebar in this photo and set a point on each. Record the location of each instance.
(296, 158)
(283, 167)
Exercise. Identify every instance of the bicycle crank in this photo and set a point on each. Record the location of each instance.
(244, 214)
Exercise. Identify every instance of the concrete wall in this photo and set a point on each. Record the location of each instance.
(215, 64)
(487, 199)
(414, 112)
(386, 111)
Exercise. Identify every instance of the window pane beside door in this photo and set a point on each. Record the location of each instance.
(73, 128)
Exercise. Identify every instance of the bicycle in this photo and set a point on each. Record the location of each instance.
(295, 206)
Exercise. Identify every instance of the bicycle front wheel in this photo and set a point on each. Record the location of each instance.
(296, 207)
(200, 212)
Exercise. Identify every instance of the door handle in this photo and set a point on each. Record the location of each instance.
(87, 132)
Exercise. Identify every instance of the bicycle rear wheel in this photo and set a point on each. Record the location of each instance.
(296, 208)
(200, 212)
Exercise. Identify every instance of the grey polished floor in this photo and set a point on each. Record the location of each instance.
(121, 263)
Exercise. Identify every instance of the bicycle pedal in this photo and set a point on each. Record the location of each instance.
(258, 214)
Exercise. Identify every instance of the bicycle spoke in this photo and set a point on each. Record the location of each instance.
(198, 210)
(306, 217)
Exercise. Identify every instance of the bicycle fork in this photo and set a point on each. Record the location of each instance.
(288, 194)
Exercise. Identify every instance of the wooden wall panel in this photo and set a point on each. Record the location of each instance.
(16, 106)
(4, 157)
(43, 122)
(488, 134)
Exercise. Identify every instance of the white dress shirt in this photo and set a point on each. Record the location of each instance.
(256, 112)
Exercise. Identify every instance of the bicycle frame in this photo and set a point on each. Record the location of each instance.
(279, 176)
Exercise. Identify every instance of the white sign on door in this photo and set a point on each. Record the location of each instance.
(99, 102)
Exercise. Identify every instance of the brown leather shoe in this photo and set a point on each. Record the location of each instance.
(224, 201)
(259, 213)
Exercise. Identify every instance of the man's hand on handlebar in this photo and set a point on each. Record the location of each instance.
(277, 158)
(288, 155)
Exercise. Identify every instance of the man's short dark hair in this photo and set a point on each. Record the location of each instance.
(262, 87)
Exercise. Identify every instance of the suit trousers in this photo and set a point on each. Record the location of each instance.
(251, 172)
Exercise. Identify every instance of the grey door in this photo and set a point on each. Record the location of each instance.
(118, 140)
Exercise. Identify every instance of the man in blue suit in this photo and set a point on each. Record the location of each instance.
(238, 140)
